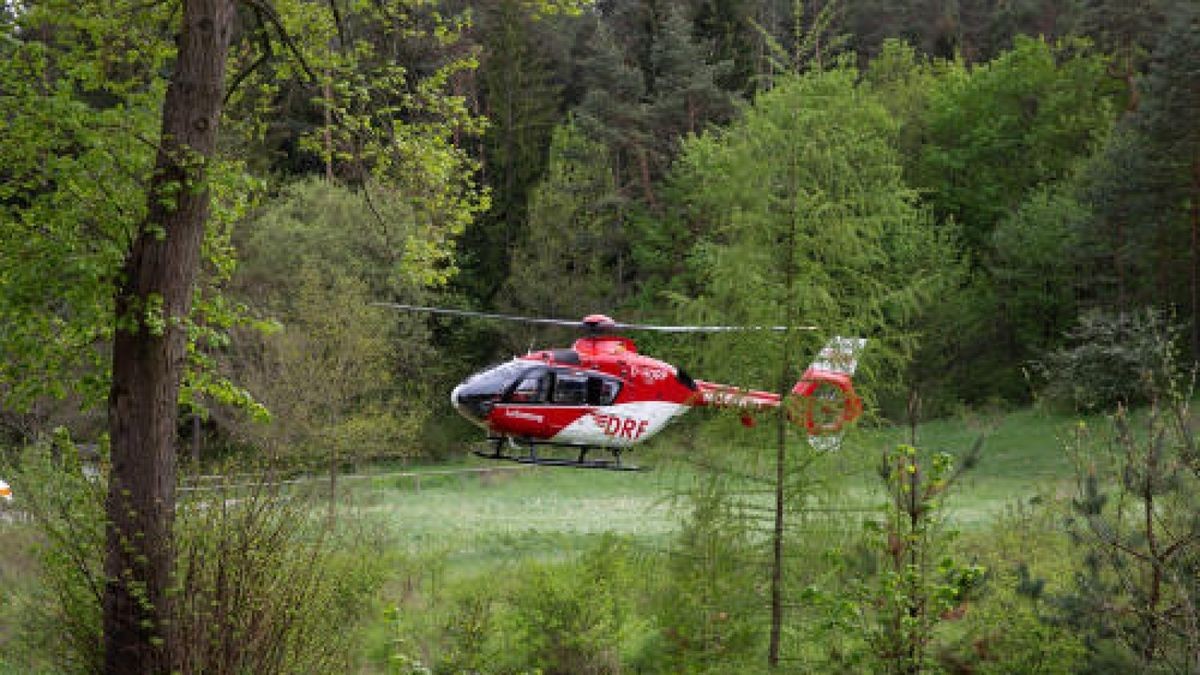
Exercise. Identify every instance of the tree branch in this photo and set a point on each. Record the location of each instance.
(337, 21)
(272, 16)
(267, 52)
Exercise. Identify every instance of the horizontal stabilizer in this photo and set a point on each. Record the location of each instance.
(840, 355)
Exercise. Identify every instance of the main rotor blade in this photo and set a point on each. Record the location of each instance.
(480, 315)
(602, 327)
(707, 329)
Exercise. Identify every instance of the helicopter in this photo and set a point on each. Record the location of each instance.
(601, 394)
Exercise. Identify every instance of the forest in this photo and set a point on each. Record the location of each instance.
(226, 456)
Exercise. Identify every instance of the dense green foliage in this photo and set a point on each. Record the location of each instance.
(1060, 187)
(1004, 197)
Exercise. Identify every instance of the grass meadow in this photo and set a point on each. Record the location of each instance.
(480, 513)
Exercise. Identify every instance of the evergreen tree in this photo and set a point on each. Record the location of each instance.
(613, 113)
(573, 259)
(808, 181)
(1126, 29)
(1135, 524)
(649, 82)
(728, 26)
(1172, 147)
(521, 102)
(1144, 189)
(684, 94)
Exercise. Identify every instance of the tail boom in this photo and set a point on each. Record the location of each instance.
(715, 395)
(823, 401)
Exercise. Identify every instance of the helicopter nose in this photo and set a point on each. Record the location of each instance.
(455, 402)
(468, 406)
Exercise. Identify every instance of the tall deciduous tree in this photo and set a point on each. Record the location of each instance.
(70, 188)
(111, 177)
(313, 260)
(991, 138)
(153, 301)
(998, 130)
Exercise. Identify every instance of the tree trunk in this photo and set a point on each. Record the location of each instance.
(643, 158)
(153, 299)
(1195, 255)
(775, 643)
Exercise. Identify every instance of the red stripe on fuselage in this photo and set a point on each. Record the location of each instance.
(533, 420)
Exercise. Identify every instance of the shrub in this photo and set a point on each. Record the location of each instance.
(1111, 359)
(267, 583)
(577, 616)
(263, 582)
(570, 618)
(710, 609)
(60, 624)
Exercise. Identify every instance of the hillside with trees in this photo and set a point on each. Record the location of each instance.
(202, 201)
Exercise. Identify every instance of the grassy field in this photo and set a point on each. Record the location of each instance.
(481, 517)
(1022, 457)
(510, 511)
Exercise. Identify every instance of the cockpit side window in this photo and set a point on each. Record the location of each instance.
(570, 389)
(603, 390)
(533, 387)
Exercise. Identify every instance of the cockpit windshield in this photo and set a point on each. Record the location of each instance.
(497, 378)
(475, 397)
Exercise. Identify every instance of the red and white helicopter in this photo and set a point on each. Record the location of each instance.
(602, 394)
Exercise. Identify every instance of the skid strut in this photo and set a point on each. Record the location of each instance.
(530, 456)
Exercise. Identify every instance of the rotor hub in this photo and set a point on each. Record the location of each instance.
(598, 323)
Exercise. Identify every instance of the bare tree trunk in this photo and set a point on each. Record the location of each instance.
(153, 299)
(1150, 646)
(327, 132)
(776, 637)
(1119, 263)
(643, 159)
(1195, 285)
(789, 280)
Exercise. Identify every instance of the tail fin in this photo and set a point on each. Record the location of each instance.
(827, 392)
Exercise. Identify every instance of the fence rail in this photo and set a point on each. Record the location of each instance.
(208, 483)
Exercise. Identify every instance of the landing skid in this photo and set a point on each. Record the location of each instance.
(531, 456)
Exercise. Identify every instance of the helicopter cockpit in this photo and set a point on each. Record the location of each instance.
(474, 398)
(523, 382)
